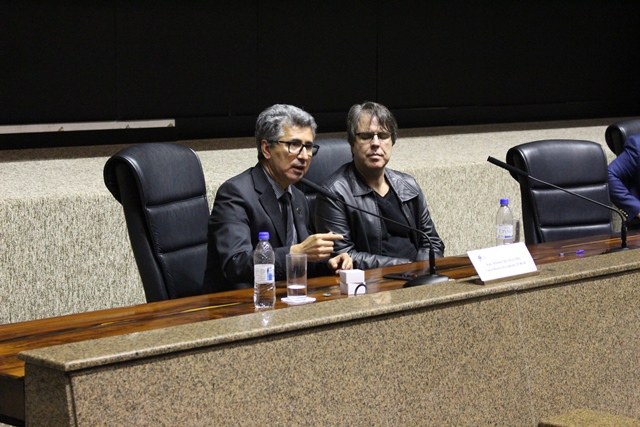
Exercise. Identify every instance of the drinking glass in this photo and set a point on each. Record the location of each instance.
(297, 277)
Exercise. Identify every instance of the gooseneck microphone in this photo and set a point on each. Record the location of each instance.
(426, 279)
(623, 228)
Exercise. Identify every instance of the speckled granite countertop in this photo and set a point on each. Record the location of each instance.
(93, 353)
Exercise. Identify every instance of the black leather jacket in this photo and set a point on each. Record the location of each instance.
(363, 233)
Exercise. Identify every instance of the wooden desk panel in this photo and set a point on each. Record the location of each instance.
(18, 337)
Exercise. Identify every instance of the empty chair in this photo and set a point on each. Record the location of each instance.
(617, 133)
(550, 214)
(333, 153)
(162, 191)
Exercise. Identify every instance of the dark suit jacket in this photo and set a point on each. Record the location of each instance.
(244, 206)
(624, 178)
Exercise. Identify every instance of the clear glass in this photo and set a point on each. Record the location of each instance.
(296, 277)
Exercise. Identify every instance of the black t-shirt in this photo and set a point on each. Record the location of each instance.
(396, 240)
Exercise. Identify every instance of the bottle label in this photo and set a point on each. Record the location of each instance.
(505, 231)
(263, 273)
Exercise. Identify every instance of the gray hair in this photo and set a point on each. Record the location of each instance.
(270, 121)
(373, 109)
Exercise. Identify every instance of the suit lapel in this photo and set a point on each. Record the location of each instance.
(299, 214)
(269, 202)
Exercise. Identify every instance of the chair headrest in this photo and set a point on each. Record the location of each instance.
(155, 166)
(333, 153)
(564, 162)
(617, 133)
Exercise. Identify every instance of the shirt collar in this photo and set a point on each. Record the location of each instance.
(277, 189)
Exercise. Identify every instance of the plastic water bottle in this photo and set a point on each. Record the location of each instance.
(264, 287)
(504, 224)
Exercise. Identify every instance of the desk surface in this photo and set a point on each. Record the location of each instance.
(18, 337)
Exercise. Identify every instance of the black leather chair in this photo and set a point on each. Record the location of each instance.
(333, 153)
(550, 214)
(162, 190)
(617, 133)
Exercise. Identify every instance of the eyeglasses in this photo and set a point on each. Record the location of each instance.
(368, 136)
(295, 147)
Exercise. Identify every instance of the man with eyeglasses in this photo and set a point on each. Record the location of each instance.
(262, 198)
(367, 183)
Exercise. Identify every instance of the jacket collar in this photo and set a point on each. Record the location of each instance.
(395, 179)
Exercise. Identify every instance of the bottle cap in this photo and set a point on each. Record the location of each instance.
(263, 235)
(504, 201)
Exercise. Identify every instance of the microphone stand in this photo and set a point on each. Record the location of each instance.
(623, 228)
(425, 279)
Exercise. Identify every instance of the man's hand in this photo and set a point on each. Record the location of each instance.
(341, 262)
(317, 246)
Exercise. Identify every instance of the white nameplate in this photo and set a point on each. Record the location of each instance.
(503, 261)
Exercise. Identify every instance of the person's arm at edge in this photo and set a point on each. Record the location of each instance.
(623, 169)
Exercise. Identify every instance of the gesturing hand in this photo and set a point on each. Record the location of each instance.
(341, 262)
(317, 246)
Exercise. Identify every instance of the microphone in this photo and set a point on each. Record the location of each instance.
(623, 228)
(426, 279)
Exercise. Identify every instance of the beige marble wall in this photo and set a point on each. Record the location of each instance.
(64, 247)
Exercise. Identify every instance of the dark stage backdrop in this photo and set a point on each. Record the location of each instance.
(214, 65)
